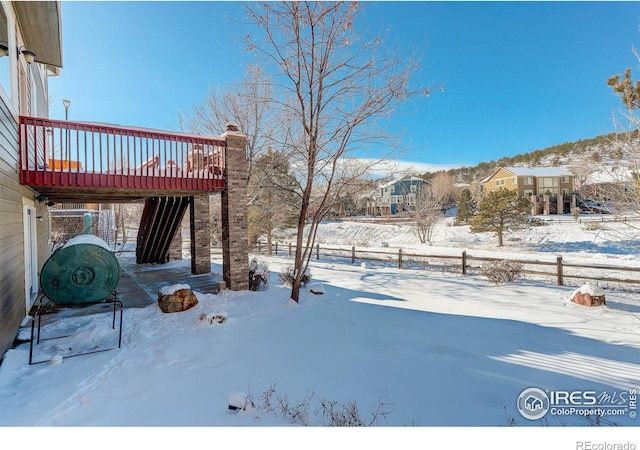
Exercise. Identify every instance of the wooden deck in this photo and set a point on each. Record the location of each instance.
(139, 283)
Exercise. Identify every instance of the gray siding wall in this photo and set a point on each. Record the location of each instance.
(12, 258)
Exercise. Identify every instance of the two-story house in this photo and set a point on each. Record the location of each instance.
(536, 184)
(30, 52)
(396, 196)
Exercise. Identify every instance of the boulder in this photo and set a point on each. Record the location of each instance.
(589, 295)
(177, 300)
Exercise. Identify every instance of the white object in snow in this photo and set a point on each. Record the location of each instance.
(316, 288)
(239, 401)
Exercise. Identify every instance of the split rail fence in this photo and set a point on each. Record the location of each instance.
(465, 263)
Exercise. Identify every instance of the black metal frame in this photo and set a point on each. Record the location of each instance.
(41, 309)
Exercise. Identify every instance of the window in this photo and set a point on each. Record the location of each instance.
(497, 182)
(565, 192)
(413, 188)
(5, 70)
(565, 179)
(528, 181)
(396, 199)
(548, 186)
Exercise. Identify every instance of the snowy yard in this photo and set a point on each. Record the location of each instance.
(423, 349)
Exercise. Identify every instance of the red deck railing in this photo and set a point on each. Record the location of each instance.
(64, 154)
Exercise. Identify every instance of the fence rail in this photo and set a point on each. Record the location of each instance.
(466, 263)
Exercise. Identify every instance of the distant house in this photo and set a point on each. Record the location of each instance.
(394, 197)
(550, 188)
(609, 187)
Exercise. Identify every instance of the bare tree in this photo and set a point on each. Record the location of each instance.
(334, 88)
(429, 204)
(245, 103)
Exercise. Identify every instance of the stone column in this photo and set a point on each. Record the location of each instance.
(534, 205)
(235, 241)
(545, 199)
(200, 234)
(560, 204)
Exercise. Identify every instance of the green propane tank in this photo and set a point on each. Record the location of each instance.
(82, 272)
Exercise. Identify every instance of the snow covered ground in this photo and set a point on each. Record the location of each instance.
(416, 352)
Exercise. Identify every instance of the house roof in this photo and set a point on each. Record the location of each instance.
(532, 172)
(538, 171)
(405, 178)
(610, 175)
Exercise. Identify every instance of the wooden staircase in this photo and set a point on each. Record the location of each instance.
(159, 223)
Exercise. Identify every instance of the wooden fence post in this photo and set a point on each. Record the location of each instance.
(259, 247)
(464, 262)
(289, 249)
(400, 259)
(353, 254)
(318, 251)
(559, 270)
(276, 248)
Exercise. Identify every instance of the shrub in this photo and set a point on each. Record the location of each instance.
(592, 226)
(326, 412)
(258, 275)
(288, 274)
(501, 271)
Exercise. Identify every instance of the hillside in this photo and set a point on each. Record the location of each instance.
(605, 149)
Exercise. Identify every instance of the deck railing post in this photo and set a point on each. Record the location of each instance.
(400, 259)
(353, 254)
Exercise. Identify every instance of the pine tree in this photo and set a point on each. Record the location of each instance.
(501, 211)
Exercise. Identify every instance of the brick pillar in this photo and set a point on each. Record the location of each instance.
(560, 207)
(534, 205)
(546, 204)
(235, 241)
(200, 234)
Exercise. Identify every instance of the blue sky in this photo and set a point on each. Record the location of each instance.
(519, 76)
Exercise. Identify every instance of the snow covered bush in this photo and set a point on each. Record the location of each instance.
(288, 274)
(501, 271)
(258, 275)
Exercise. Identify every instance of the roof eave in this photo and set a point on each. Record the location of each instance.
(41, 27)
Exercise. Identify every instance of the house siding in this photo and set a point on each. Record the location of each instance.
(13, 199)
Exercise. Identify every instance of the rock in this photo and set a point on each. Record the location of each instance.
(589, 295)
(177, 301)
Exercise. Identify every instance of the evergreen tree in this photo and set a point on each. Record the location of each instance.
(465, 207)
(501, 211)
(628, 90)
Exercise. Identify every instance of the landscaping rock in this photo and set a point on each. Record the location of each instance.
(177, 300)
(589, 295)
